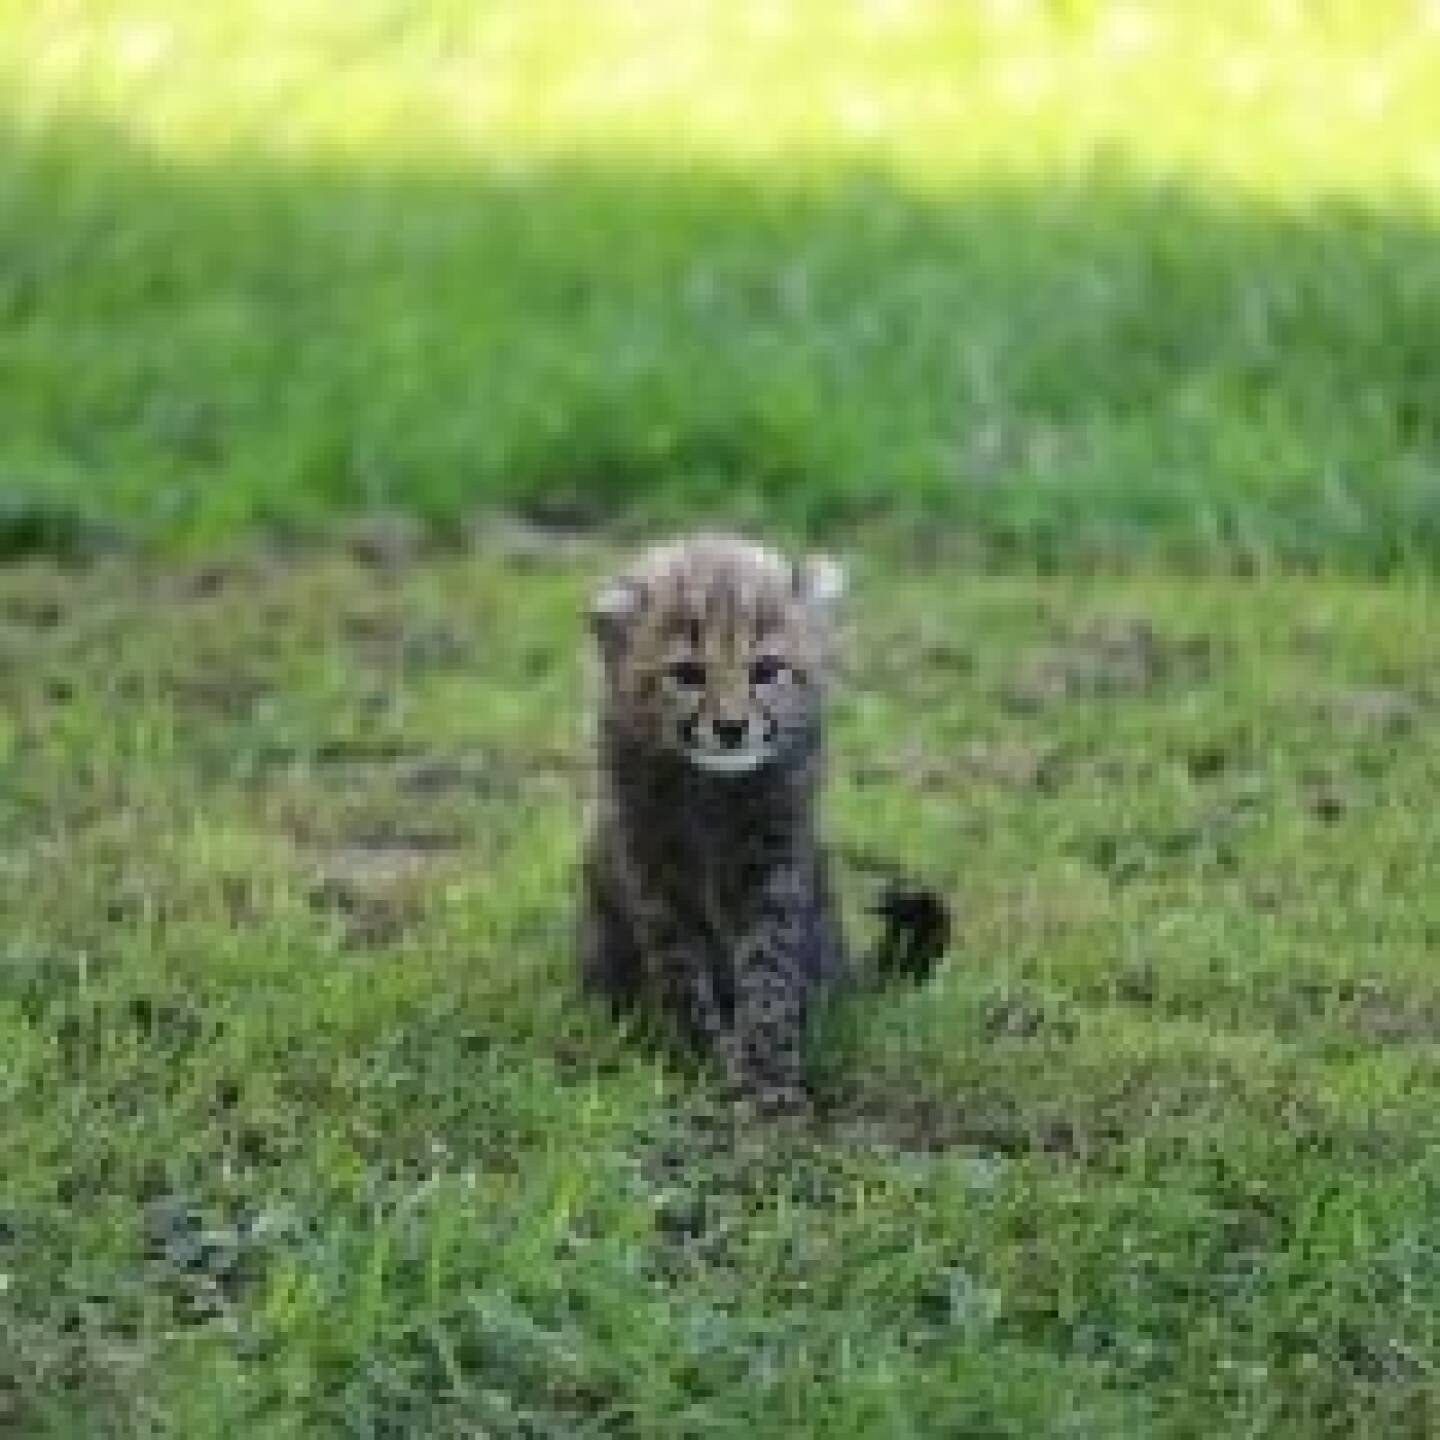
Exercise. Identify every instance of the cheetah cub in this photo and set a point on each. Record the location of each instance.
(705, 888)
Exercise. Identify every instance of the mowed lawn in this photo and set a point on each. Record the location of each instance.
(1080, 277)
(307, 1131)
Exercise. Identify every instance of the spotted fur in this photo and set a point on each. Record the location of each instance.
(705, 887)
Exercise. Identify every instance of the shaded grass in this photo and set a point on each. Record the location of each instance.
(307, 1131)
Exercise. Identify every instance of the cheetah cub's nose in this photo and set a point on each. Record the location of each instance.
(730, 733)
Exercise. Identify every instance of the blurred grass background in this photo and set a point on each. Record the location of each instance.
(1071, 281)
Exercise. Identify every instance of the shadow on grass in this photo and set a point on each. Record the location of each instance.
(1081, 370)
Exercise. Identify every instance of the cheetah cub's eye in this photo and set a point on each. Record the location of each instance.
(688, 674)
(766, 670)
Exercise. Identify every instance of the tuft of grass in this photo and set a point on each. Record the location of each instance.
(1077, 283)
(308, 1132)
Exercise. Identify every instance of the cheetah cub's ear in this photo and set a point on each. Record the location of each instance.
(819, 582)
(613, 609)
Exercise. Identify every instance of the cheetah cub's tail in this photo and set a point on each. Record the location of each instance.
(916, 931)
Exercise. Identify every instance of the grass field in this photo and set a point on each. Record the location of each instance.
(308, 1133)
(1076, 279)
(1102, 338)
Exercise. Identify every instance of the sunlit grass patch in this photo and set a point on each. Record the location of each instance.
(1073, 283)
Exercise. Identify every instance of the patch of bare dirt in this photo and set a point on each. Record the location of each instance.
(375, 892)
(1018, 764)
(1363, 1006)
(391, 640)
(926, 1124)
(536, 539)
(222, 689)
(32, 612)
(1374, 710)
(1017, 1015)
(1015, 763)
(1114, 655)
(385, 541)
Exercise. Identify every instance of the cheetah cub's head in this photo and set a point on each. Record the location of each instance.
(713, 649)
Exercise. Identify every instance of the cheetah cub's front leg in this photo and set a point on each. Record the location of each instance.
(771, 993)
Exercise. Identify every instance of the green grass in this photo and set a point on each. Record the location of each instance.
(1072, 281)
(307, 1131)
